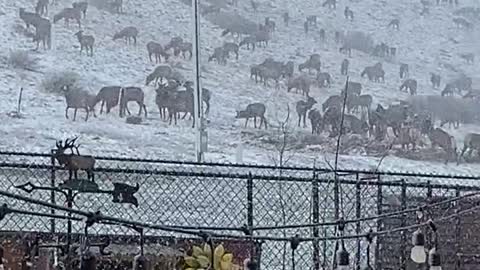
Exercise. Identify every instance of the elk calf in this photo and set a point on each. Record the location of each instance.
(135, 94)
(302, 108)
(86, 41)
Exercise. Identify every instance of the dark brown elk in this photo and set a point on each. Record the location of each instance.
(344, 67)
(470, 143)
(135, 94)
(335, 101)
(262, 37)
(157, 50)
(249, 41)
(128, 33)
(439, 137)
(324, 79)
(315, 121)
(86, 41)
(229, 47)
(74, 162)
(206, 94)
(409, 85)
(43, 33)
(374, 73)
(41, 8)
(163, 93)
(354, 125)
(82, 6)
(353, 88)
(78, 99)
(267, 73)
(395, 24)
(68, 14)
(178, 102)
(109, 96)
(403, 71)
(173, 43)
(288, 69)
(218, 55)
(435, 79)
(313, 63)
(184, 48)
(29, 18)
(301, 83)
(303, 107)
(161, 72)
(253, 110)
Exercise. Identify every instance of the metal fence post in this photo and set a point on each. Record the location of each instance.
(358, 214)
(458, 231)
(316, 219)
(378, 262)
(403, 246)
(52, 193)
(250, 200)
(430, 210)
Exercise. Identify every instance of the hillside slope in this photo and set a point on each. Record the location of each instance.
(429, 43)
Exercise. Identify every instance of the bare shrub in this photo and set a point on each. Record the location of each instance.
(55, 81)
(359, 41)
(21, 60)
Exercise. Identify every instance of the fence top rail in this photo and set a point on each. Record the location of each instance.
(259, 166)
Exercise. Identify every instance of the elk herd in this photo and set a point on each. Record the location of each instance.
(174, 95)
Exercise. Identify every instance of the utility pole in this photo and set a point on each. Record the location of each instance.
(200, 133)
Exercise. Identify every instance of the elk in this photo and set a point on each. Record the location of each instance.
(41, 7)
(470, 143)
(253, 110)
(157, 50)
(81, 6)
(128, 33)
(29, 18)
(69, 14)
(78, 99)
(303, 107)
(86, 41)
(132, 94)
(109, 96)
(43, 33)
(74, 162)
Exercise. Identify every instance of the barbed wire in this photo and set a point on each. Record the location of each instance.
(97, 217)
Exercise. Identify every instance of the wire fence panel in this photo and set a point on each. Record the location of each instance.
(224, 197)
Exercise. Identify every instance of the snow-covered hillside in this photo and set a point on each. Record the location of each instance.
(429, 43)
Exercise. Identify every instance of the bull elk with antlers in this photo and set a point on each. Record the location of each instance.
(74, 161)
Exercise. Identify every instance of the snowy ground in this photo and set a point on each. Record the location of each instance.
(425, 43)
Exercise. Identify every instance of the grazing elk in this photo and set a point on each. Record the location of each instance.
(218, 55)
(332, 4)
(354, 125)
(109, 96)
(68, 14)
(262, 37)
(156, 49)
(348, 13)
(43, 33)
(403, 71)
(470, 143)
(29, 18)
(462, 23)
(229, 47)
(439, 137)
(409, 85)
(74, 162)
(78, 99)
(303, 107)
(135, 94)
(395, 24)
(253, 110)
(324, 79)
(315, 121)
(435, 79)
(301, 83)
(331, 102)
(344, 67)
(41, 8)
(163, 93)
(374, 73)
(286, 18)
(249, 41)
(129, 33)
(161, 72)
(357, 103)
(312, 63)
(82, 7)
(468, 57)
(353, 89)
(86, 41)
(184, 48)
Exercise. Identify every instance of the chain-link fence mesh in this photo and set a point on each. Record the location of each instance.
(230, 196)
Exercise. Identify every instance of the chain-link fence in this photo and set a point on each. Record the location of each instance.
(231, 196)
